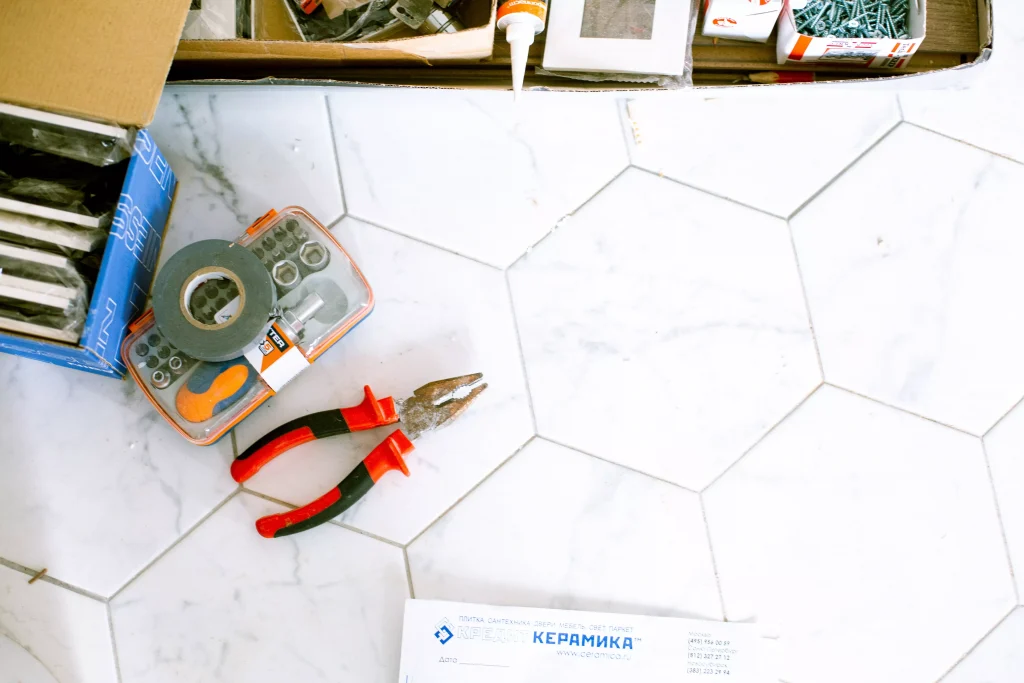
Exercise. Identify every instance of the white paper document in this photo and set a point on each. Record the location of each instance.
(450, 642)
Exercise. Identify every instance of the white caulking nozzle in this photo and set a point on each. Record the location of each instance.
(519, 35)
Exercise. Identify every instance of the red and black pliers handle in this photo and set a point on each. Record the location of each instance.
(385, 457)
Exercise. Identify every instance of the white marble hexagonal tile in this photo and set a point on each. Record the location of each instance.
(97, 482)
(915, 300)
(987, 112)
(668, 333)
(997, 659)
(557, 528)
(240, 152)
(768, 150)
(229, 605)
(437, 315)
(46, 630)
(868, 536)
(470, 171)
(1005, 447)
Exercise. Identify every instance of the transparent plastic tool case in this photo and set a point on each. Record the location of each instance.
(321, 295)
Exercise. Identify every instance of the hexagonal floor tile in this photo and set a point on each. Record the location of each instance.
(468, 171)
(66, 634)
(997, 659)
(987, 113)
(438, 315)
(97, 482)
(914, 302)
(557, 528)
(787, 154)
(664, 329)
(1005, 447)
(852, 525)
(239, 153)
(229, 605)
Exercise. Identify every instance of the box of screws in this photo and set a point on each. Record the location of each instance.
(871, 33)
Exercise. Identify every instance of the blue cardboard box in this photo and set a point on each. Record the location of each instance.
(126, 273)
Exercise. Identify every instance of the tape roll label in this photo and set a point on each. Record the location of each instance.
(222, 316)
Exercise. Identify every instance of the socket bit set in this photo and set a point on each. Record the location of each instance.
(318, 295)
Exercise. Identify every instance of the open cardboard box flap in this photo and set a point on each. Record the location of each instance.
(104, 60)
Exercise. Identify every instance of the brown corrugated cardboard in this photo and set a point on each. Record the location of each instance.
(104, 60)
(958, 36)
(472, 44)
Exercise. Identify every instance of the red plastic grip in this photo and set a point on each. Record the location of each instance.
(387, 456)
(271, 524)
(242, 469)
(370, 413)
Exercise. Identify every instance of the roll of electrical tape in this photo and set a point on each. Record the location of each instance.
(237, 325)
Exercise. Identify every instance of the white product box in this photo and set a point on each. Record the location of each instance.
(451, 642)
(741, 19)
(887, 53)
(618, 36)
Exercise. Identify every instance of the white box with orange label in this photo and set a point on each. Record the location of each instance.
(741, 19)
(872, 53)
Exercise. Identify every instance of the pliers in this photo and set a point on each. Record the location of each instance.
(432, 406)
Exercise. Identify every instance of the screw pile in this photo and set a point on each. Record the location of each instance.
(854, 19)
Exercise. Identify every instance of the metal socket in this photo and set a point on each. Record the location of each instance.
(160, 379)
(286, 275)
(314, 256)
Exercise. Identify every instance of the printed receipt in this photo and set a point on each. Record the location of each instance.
(450, 642)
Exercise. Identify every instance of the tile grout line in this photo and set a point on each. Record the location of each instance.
(335, 522)
(1002, 417)
(977, 644)
(234, 445)
(113, 644)
(899, 108)
(1002, 525)
(337, 155)
(711, 551)
(807, 300)
(965, 143)
(853, 162)
(420, 240)
(522, 354)
(764, 436)
(626, 127)
(470, 491)
(570, 214)
(702, 190)
(617, 464)
(408, 573)
(902, 410)
(174, 545)
(46, 578)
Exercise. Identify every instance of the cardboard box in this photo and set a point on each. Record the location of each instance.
(278, 42)
(105, 62)
(882, 53)
(959, 38)
(741, 19)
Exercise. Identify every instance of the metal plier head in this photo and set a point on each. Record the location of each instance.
(436, 404)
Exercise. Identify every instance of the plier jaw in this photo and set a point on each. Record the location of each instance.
(436, 404)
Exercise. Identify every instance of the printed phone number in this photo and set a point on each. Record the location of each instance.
(709, 672)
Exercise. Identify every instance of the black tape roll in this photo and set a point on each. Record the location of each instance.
(205, 260)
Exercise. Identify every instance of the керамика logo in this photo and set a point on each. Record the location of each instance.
(443, 631)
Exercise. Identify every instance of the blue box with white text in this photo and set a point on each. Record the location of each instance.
(126, 272)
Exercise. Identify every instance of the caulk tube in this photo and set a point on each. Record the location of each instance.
(521, 20)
